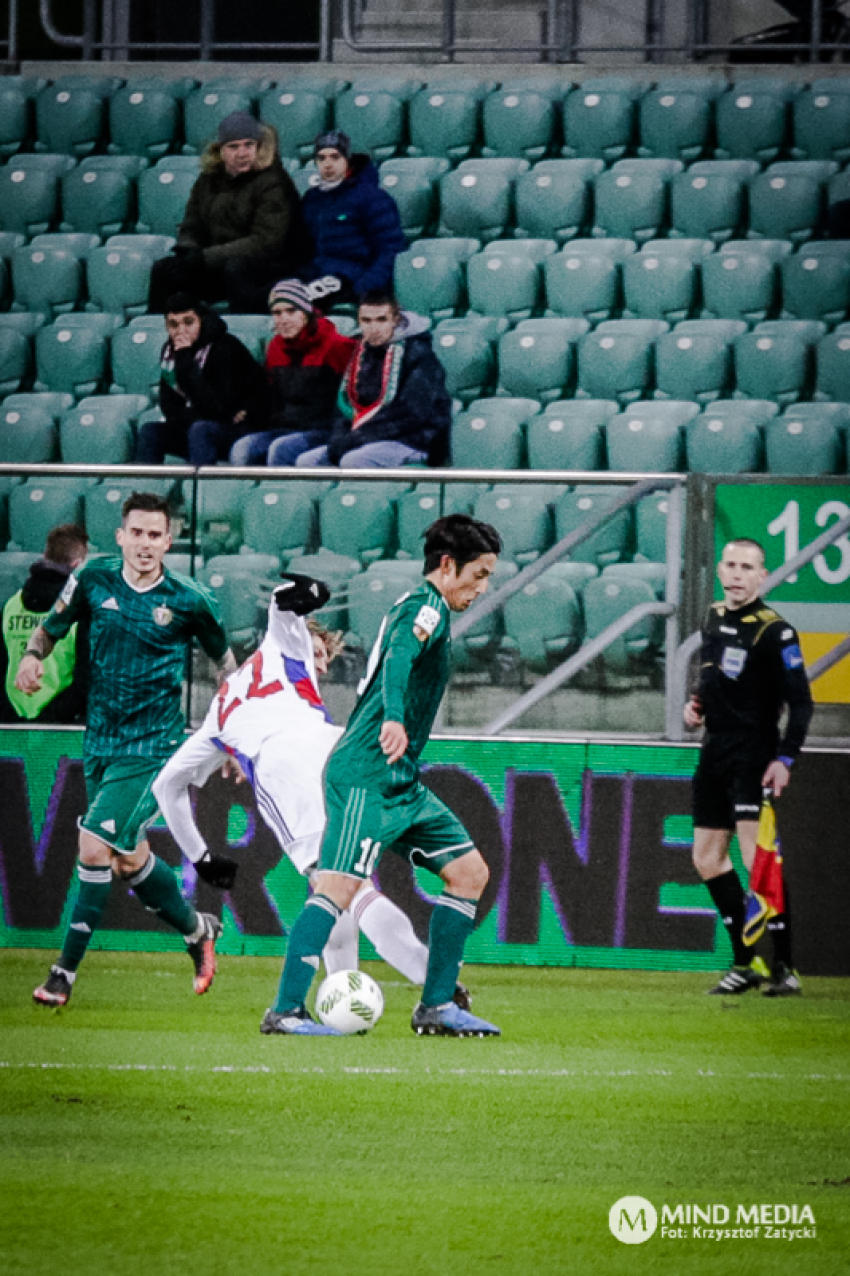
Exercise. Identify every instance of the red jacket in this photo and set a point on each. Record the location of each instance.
(304, 376)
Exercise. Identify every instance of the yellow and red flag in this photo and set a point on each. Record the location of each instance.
(766, 896)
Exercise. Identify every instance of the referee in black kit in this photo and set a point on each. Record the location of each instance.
(750, 667)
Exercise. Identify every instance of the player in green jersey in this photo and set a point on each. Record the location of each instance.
(142, 620)
(375, 798)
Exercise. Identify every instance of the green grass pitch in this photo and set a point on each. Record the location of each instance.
(147, 1131)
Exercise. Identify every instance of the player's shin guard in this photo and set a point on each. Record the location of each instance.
(389, 930)
(157, 887)
(95, 884)
(307, 939)
(451, 925)
(728, 895)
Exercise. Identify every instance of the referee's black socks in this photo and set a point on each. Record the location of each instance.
(728, 895)
(779, 929)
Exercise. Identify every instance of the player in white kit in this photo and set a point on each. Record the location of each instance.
(268, 717)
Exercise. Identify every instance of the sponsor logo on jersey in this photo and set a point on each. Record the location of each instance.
(163, 615)
(732, 661)
(109, 605)
(728, 629)
(427, 620)
(792, 656)
(109, 825)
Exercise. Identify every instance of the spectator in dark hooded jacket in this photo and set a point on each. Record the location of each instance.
(354, 224)
(211, 389)
(305, 360)
(242, 228)
(394, 407)
(62, 695)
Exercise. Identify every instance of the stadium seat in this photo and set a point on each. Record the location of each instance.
(505, 282)
(832, 361)
(553, 199)
(79, 243)
(607, 598)
(254, 331)
(536, 358)
(69, 118)
(489, 434)
(518, 121)
(430, 281)
(723, 442)
(163, 192)
(100, 430)
(612, 541)
(772, 365)
(336, 571)
(692, 365)
(15, 118)
(443, 121)
(9, 241)
(54, 402)
(644, 439)
(522, 516)
(567, 435)
(660, 285)
(815, 286)
(582, 285)
(298, 115)
(71, 354)
(28, 435)
(412, 184)
(15, 360)
(616, 360)
(467, 350)
(752, 119)
(217, 507)
(374, 117)
(26, 322)
(48, 280)
(784, 206)
(775, 250)
(612, 246)
(242, 598)
(370, 596)
(739, 285)
(477, 197)
(97, 199)
(206, 105)
(358, 520)
(543, 621)
(802, 445)
(707, 205)
(650, 521)
(821, 121)
(481, 641)
(675, 118)
(145, 116)
(600, 119)
(37, 506)
(415, 511)
(14, 563)
(29, 198)
(135, 352)
(630, 204)
(118, 280)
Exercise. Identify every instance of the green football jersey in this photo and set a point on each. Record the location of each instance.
(138, 644)
(404, 682)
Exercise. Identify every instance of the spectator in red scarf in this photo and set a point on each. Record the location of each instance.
(305, 360)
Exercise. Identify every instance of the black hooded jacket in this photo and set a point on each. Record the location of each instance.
(212, 380)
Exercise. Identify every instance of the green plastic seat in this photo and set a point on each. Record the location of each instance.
(218, 517)
(444, 122)
(630, 204)
(278, 518)
(612, 541)
(27, 435)
(796, 444)
(616, 360)
(415, 511)
(723, 443)
(676, 119)
(38, 505)
(70, 119)
(135, 353)
(71, 355)
(163, 192)
(567, 435)
(46, 279)
(519, 121)
(29, 198)
(359, 520)
(600, 120)
(100, 430)
(374, 117)
(821, 121)
(298, 115)
(413, 185)
(785, 206)
(523, 517)
(53, 402)
(772, 365)
(707, 205)
(466, 347)
(118, 280)
(206, 106)
(15, 360)
(476, 198)
(692, 365)
(752, 119)
(644, 439)
(607, 598)
(613, 246)
(15, 118)
(815, 286)
(506, 283)
(832, 359)
(660, 285)
(242, 597)
(553, 199)
(336, 571)
(739, 284)
(543, 622)
(582, 285)
(254, 331)
(537, 357)
(489, 434)
(144, 119)
(429, 281)
(99, 200)
(370, 596)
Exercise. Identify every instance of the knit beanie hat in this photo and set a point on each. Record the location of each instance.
(238, 125)
(293, 291)
(335, 140)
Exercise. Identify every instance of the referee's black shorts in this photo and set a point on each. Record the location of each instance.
(727, 782)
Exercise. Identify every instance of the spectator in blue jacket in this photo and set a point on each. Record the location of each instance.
(355, 225)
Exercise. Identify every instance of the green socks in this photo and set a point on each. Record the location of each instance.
(306, 941)
(157, 887)
(451, 924)
(92, 898)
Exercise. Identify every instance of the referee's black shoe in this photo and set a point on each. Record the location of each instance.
(784, 982)
(740, 979)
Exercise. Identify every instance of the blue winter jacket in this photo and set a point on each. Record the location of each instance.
(356, 228)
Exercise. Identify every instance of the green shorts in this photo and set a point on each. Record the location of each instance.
(121, 803)
(362, 823)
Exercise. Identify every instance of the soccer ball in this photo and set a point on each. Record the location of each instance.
(350, 1001)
